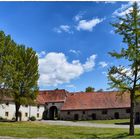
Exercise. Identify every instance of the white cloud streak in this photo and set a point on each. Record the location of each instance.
(77, 52)
(63, 28)
(103, 64)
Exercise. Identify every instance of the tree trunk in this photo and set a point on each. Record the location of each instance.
(132, 114)
(17, 106)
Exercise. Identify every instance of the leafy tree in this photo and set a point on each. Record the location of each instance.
(89, 89)
(127, 78)
(7, 49)
(25, 79)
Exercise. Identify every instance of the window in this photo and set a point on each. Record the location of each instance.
(26, 114)
(68, 112)
(38, 107)
(37, 115)
(7, 103)
(104, 112)
(6, 114)
(26, 105)
(83, 112)
(127, 110)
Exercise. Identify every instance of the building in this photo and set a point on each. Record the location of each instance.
(63, 105)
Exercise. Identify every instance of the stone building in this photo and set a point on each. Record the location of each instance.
(60, 104)
(63, 105)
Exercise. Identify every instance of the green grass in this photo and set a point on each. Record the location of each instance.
(109, 121)
(41, 130)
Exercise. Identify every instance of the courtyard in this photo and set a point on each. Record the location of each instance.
(61, 129)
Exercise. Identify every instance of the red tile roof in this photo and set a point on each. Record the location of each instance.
(96, 100)
(51, 96)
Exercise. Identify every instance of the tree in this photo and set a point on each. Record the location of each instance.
(127, 78)
(25, 79)
(89, 89)
(7, 48)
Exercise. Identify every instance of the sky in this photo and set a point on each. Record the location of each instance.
(72, 39)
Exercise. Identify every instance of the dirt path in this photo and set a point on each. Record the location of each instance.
(88, 124)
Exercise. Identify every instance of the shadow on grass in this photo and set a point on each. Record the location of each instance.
(87, 136)
(7, 121)
(124, 123)
(121, 135)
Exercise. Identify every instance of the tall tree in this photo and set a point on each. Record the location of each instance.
(127, 78)
(7, 49)
(89, 89)
(25, 85)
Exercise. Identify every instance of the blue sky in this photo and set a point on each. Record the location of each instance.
(72, 39)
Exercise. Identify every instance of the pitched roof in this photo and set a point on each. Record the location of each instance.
(51, 96)
(96, 100)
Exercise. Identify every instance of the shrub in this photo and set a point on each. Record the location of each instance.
(33, 118)
(1, 118)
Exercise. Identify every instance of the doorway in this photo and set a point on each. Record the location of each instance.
(93, 116)
(53, 113)
(116, 115)
(137, 118)
(76, 117)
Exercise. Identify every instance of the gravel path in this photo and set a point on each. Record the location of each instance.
(88, 124)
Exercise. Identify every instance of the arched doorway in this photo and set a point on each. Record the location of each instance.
(53, 113)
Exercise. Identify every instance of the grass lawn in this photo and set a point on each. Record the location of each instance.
(109, 121)
(40, 130)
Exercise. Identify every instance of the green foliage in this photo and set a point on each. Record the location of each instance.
(33, 118)
(26, 75)
(89, 89)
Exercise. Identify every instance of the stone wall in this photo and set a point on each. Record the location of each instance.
(95, 114)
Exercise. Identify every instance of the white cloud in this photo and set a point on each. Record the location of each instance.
(110, 2)
(103, 64)
(75, 52)
(105, 73)
(79, 16)
(90, 63)
(63, 28)
(41, 54)
(54, 68)
(88, 25)
(124, 9)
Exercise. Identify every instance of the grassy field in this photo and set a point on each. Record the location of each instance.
(118, 121)
(40, 130)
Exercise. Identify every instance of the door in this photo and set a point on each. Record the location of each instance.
(76, 117)
(93, 116)
(116, 115)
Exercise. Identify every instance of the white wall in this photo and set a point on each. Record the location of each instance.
(29, 110)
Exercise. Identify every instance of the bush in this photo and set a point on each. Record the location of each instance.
(32, 118)
(1, 119)
(13, 119)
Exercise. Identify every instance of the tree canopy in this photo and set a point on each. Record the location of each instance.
(19, 72)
